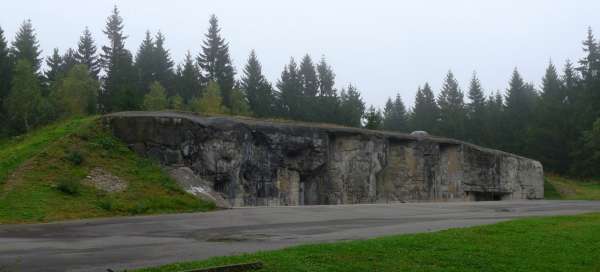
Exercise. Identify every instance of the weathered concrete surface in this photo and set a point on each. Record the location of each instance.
(254, 163)
(133, 242)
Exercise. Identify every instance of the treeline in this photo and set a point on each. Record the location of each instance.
(557, 122)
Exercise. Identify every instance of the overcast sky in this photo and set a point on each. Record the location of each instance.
(383, 47)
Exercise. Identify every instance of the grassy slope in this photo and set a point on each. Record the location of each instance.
(567, 243)
(15, 151)
(568, 189)
(33, 167)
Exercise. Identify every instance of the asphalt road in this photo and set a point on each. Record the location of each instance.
(134, 242)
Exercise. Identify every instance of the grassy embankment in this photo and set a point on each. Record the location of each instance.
(565, 243)
(562, 188)
(43, 177)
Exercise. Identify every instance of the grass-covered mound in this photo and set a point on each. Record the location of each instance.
(47, 176)
(556, 187)
(565, 243)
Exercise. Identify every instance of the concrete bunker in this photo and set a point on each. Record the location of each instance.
(251, 162)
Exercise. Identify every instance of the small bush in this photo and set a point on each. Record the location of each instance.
(75, 157)
(139, 208)
(106, 204)
(69, 186)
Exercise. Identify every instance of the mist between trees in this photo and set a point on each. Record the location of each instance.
(557, 123)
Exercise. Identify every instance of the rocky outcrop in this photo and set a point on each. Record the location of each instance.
(250, 162)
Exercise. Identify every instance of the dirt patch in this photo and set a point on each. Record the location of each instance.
(105, 181)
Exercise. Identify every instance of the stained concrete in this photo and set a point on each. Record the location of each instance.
(252, 162)
(133, 242)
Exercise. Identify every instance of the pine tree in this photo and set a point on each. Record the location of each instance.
(520, 102)
(69, 60)
(308, 77)
(24, 104)
(394, 115)
(156, 98)
(310, 89)
(550, 127)
(495, 129)
(290, 91)
(55, 64)
(26, 46)
(475, 112)
(590, 64)
(452, 109)
(5, 80)
(119, 92)
(189, 82)
(145, 64)
(426, 112)
(163, 64)
(328, 102)
(86, 53)
(257, 88)
(77, 93)
(352, 107)
(326, 78)
(215, 60)
(373, 119)
(590, 71)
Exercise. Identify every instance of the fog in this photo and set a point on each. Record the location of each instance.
(383, 47)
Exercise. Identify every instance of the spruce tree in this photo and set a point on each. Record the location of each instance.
(5, 79)
(551, 126)
(119, 92)
(326, 78)
(495, 129)
(290, 91)
(145, 64)
(163, 64)
(426, 112)
(475, 112)
(394, 115)
(590, 64)
(520, 102)
(373, 119)
(189, 81)
(215, 60)
(54, 64)
(257, 88)
(452, 109)
(308, 77)
(87, 53)
(69, 60)
(352, 107)
(328, 102)
(26, 46)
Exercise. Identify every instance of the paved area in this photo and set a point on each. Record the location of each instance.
(133, 242)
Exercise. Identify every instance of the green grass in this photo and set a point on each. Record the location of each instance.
(13, 152)
(556, 187)
(566, 243)
(44, 175)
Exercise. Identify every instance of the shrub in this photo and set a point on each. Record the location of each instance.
(69, 186)
(75, 157)
(106, 204)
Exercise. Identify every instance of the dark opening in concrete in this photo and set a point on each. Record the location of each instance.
(486, 196)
